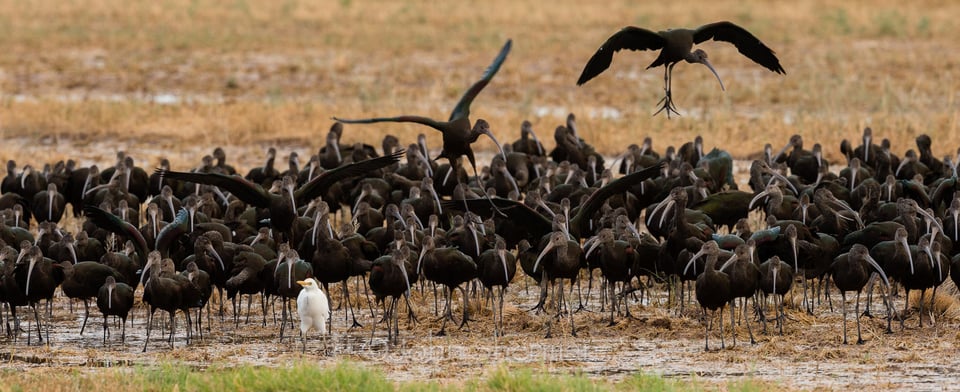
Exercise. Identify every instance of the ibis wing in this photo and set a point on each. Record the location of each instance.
(630, 37)
(462, 110)
(618, 186)
(319, 185)
(114, 224)
(523, 217)
(746, 43)
(411, 119)
(243, 189)
(171, 232)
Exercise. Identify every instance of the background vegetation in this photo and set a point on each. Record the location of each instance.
(257, 72)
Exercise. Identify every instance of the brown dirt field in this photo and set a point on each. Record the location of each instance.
(810, 355)
(85, 79)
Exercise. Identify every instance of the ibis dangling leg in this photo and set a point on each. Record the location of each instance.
(667, 101)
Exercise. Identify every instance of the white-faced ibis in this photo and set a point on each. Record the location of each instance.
(617, 258)
(49, 205)
(713, 289)
(929, 273)
(744, 282)
(457, 132)
(448, 267)
(851, 271)
(115, 299)
(313, 309)
(160, 292)
(39, 281)
(83, 280)
(390, 276)
(565, 264)
(264, 175)
(204, 288)
(246, 279)
(496, 267)
(776, 277)
(528, 143)
(675, 45)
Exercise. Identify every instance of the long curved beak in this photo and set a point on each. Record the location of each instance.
(906, 247)
(503, 259)
(436, 198)
(146, 268)
(793, 248)
(216, 255)
(756, 198)
(774, 271)
(499, 147)
(290, 273)
(900, 166)
(546, 250)
(707, 63)
(110, 296)
(692, 260)
(279, 261)
(403, 269)
(782, 151)
(873, 263)
(423, 252)
(537, 142)
(666, 210)
(33, 263)
(336, 151)
(293, 199)
(728, 262)
(591, 245)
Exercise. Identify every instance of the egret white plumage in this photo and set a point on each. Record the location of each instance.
(313, 308)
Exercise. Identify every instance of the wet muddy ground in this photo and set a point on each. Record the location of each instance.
(658, 340)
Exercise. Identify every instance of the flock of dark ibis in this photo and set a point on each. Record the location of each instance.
(645, 227)
(399, 223)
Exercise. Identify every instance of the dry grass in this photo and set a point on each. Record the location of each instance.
(262, 72)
